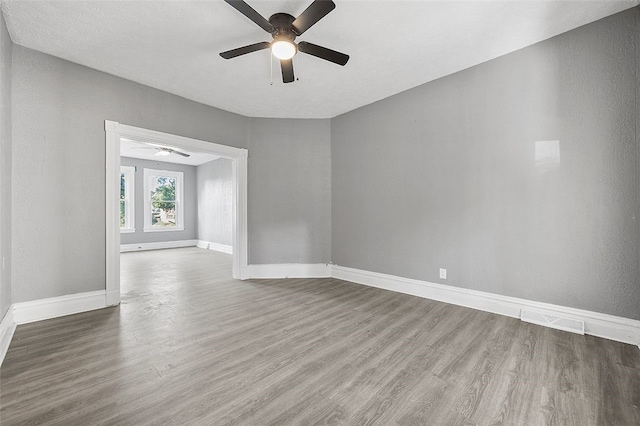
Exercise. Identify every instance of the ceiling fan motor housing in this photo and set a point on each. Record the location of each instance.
(282, 28)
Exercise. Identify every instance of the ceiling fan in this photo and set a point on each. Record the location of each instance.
(163, 151)
(284, 29)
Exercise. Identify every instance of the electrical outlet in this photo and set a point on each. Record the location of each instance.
(443, 273)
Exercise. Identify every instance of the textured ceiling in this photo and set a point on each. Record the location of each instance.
(394, 45)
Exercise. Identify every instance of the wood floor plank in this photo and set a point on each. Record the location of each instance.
(190, 346)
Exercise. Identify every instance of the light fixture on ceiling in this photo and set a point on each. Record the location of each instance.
(284, 29)
(163, 152)
(283, 48)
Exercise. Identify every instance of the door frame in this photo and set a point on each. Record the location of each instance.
(115, 131)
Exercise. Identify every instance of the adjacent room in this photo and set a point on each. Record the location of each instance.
(173, 198)
(320, 212)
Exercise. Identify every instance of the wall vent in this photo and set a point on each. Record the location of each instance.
(553, 321)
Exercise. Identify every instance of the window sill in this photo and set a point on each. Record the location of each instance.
(164, 229)
(127, 230)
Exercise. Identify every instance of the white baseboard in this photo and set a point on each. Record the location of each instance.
(7, 328)
(596, 324)
(290, 270)
(215, 246)
(601, 325)
(547, 319)
(37, 310)
(157, 246)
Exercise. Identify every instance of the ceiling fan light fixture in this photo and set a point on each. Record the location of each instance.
(283, 49)
(163, 153)
(284, 29)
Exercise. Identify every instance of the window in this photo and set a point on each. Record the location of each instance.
(163, 207)
(127, 217)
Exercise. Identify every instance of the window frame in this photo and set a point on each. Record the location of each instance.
(129, 199)
(150, 174)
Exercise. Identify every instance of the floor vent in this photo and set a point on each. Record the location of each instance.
(553, 321)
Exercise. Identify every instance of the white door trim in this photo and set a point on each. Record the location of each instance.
(114, 132)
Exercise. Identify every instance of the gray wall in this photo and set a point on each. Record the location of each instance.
(215, 201)
(190, 203)
(59, 110)
(290, 191)
(637, 109)
(445, 175)
(5, 167)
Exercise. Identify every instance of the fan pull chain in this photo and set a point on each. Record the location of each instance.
(271, 67)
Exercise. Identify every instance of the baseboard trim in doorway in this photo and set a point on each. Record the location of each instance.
(215, 246)
(610, 327)
(37, 310)
(157, 246)
(290, 270)
(7, 328)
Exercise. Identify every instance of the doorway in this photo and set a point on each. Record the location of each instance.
(115, 132)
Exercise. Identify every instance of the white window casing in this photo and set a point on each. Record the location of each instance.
(129, 199)
(151, 175)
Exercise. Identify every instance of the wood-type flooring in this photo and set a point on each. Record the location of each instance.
(190, 346)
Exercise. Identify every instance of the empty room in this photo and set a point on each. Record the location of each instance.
(228, 212)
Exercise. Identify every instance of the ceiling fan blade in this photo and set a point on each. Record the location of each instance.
(323, 53)
(245, 49)
(250, 13)
(312, 14)
(184, 154)
(287, 70)
(155, 145)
